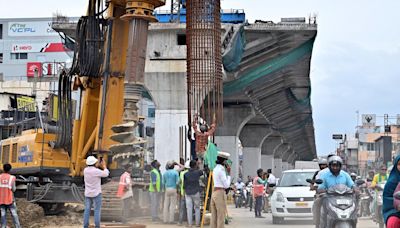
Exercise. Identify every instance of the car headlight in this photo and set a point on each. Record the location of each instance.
(279, 197)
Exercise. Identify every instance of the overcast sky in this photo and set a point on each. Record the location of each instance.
(355, 63)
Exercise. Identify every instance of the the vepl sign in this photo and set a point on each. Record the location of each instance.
(37, 28)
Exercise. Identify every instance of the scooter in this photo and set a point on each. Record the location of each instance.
(340, 206)
(239, 198)
(249, 196)
(378, 218)
(364, 202)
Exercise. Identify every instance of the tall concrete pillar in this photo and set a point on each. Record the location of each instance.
(251, 161)
(168, 92)
(278, 167)
(252, 137)
(285, 166)
(227, 135)
(267, 162)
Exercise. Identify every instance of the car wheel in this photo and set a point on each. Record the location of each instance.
(277, 220)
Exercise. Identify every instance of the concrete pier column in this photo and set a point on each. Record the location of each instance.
(285, 166)
(227, 135)
(267, 162)
(277, 171)
(252, 137)
(168, 92)
(251, 161)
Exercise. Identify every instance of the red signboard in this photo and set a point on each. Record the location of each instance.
(31, 67)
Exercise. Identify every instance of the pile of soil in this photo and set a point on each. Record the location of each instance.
(72, 215)
(28, 213)
(32, 215)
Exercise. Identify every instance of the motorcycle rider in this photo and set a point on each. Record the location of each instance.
(380, 177)
(323, 164)
(353, 176)
(239, 186)
(334, 177)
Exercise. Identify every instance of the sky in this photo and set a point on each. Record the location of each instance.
(355, 63)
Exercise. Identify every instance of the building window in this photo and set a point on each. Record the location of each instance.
(181, 39)
(370, 146)
(1, 31)
(1, 57)
(19, 55)
(151, 112)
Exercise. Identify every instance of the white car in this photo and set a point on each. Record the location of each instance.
(292, 197)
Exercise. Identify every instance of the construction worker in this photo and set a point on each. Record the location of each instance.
(202, 136)
(125, 192)
(155, 190)
(182, 204)
(258, 192)
(222, 181)
(7, 201)
(192, 191)
(92, 176)
(171, 181)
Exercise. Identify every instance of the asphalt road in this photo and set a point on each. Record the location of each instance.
(243, 218)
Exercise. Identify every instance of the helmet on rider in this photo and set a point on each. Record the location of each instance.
(353, 176)
(335, 164)
(239, 180)
(323, 163)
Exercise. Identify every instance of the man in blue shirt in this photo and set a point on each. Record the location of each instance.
(334, 176)
(170, 180)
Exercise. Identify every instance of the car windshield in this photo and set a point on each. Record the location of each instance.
(292, 179)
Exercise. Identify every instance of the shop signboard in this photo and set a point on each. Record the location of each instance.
(32, 28)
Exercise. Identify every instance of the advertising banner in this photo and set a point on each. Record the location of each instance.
(35, 28)
(37, 47)
(31, 67)
(26, 103)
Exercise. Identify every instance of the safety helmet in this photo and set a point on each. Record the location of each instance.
(239, 179)
(187, 164)
(335, 160)
(322, 161)
(353, 174)
(203, 128)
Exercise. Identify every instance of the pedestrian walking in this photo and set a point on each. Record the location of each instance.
(192, 189)
(92, 176)
(222, 181)
(155, 190)
(182, 203)
(7, 200)
(171, 180)
(125, 192)
(258, 191)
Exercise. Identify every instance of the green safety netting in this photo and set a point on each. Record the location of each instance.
(269, 67)
(231, 59)
(303, 101)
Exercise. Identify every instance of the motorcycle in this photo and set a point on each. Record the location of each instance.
(239, 198)
(378, 218)
(364, 203)
(340, 207)
(249, 196)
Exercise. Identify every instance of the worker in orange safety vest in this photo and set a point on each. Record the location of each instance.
(7, 201)
(125, 192)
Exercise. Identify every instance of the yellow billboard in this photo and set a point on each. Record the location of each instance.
(26, 103)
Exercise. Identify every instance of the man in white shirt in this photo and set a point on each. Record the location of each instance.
(222, 181)
(271, 177)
